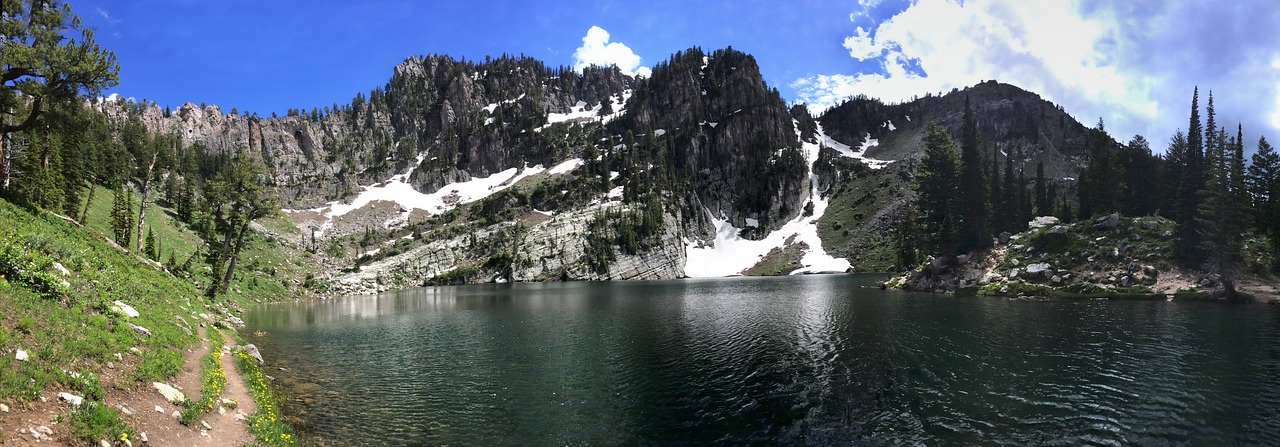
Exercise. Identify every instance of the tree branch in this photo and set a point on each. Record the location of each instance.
(31, 119)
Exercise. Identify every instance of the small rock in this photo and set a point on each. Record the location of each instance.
(140, 330)
(176, 414)
(143, 437)
(239, 417)
(170, 393)
(135, 350)
(111, 365)
(104, 443)
(229, 403)
(1015, 262)
(222, 410)
(1058, 229)
(4, 408)
(21, 356)
(63, 270)
(205, 425)
(118, 356)
(961, 259)
(74, 400)
(1042, 221)
(124, 309)
(159, 409)
(126, 410)
(1004, 237)
(44, 430)
(1150, 224)
(252, 350)
(1056, 279)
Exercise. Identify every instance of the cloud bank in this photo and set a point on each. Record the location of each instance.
(1133, 64)
(596, 49)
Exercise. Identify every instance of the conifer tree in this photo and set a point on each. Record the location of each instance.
(975, 212)
(1100, 181)
(1263, 182)
(1042, 194)
(1222, 212)
(122, 216)
(936, 187)
(1190, 170)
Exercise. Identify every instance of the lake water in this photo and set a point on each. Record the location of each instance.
(813, 360)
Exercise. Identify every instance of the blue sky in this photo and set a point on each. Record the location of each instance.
(1132, 63)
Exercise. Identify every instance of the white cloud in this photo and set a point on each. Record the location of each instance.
(597, 50)
(1097, 61)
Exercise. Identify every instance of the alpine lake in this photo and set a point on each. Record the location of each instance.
(800, 360)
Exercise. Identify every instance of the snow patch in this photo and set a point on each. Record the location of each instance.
(582, 113)
(889, 124)
(399, 191)
(729, 254)
(565, 166)
(659, 132)
(754, 223)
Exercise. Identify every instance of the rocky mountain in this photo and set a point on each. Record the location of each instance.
(462, 171)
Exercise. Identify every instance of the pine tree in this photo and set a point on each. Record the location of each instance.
(1222, 216)
(1263, 182)
(975, 212)
(1042, 194)
(936, 187)
(1100, 181)
(122, 216)
(1190, 170)
(150, 249)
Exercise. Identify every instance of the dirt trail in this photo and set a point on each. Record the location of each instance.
(137, 405)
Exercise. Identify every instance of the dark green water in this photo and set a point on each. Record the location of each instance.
(814, 360)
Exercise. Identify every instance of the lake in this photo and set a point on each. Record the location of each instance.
(805, 360)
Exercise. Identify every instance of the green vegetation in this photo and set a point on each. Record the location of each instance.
(94, 421)
(266, 424)
(213, 380)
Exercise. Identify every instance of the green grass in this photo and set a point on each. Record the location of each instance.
(94, 421)
(71, 327)
(847, 229)
(266, 424)
(213, 380)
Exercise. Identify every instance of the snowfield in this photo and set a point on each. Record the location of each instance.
(730, 254)
(399, 191)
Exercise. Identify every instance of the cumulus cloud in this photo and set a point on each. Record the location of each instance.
(1133, 64)
(596, 49)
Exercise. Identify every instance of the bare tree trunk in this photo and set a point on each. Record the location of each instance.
(4, 161)
(142, 206)
(235, 254)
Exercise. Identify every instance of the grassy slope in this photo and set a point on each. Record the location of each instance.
(64, 322)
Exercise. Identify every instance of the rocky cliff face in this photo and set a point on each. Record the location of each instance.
(730, 134)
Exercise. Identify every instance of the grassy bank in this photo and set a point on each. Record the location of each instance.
(67, 310)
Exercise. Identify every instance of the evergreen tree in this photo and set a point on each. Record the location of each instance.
(122, 216)
(1008, 214)
(150, 249)
(1042, 194)
(906, 236)
(1100, 181)
(1263, 182)
(48, 58)
(1190, 168)
(936, 187)
(1222, 212)
(975, 212)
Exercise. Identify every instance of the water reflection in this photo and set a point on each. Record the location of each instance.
(809, 360)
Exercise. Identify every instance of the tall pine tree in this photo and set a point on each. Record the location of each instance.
(1263, 182)
(1189, 167)
(975, 212)
(936, 187)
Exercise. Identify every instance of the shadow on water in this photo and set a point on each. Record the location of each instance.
(816, 360)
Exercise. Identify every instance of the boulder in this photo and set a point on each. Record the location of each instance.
(1107, 222)
(1038, 269)
(1055, 280)
(1150, 225)
(1004, 237)
(21, 356)
(74, 400)
(170, 393)
(1042, 221)
(61, 270)
(253, 351)
(142, 331)
(124, 309)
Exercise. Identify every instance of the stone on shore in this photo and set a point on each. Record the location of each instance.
(124, 309)
(252, 350)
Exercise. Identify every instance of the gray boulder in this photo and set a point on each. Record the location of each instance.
(1107, 222)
